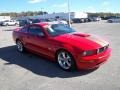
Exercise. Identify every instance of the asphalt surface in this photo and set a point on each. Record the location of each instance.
(31, 72)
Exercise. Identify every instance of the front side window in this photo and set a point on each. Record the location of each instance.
(35, 30)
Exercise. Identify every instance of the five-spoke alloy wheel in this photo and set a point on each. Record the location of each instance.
(65, 60)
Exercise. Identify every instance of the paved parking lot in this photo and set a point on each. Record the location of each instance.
(31, 72)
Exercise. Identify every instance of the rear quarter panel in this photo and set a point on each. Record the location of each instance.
(17, 34)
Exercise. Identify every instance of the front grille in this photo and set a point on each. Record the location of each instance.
(100, 50)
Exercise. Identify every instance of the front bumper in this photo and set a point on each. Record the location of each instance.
(91, 62)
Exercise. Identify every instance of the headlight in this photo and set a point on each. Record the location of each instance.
(100, 50)
(96, 51)
(87, 53)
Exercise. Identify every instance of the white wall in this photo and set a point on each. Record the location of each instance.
(62, 15)
(3, 18)
(81, 15)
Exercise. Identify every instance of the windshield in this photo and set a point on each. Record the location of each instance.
(58, 29)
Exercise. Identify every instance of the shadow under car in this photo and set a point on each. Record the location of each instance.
(36, 64)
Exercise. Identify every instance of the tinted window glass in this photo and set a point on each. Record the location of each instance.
(24, 29)
(36, 30)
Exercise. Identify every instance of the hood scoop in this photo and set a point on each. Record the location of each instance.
(81, 34)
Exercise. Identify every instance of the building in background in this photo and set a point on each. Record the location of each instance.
(61, 15)
(4, 18)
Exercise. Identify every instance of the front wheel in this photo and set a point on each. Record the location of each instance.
(65, 60)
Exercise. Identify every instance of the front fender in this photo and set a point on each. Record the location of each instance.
(71, 49)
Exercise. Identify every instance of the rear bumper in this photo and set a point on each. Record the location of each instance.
(91, 62)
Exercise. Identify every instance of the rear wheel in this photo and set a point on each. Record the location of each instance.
(16, 24)
(110, 21)
(65, 60)
(20, 46)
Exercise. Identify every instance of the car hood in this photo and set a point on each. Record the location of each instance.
(82, 41)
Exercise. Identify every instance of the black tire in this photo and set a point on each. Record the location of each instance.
(71, 66)
(110, 21)
(16, 24)
(20, 46)
(7, 24)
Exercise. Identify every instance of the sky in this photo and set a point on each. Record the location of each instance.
(51, 6)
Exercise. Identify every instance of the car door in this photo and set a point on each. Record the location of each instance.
(35, 39)
(10, 22)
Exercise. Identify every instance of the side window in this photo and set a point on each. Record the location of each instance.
(35, 30)
(24, 29)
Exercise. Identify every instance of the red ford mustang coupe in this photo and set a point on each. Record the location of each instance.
(62, 44)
